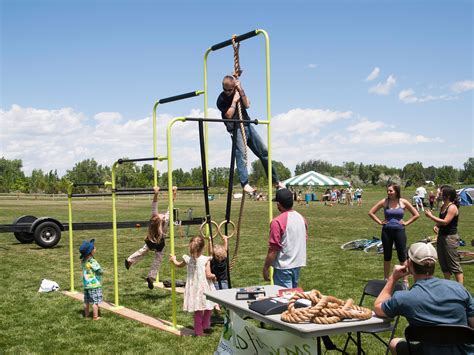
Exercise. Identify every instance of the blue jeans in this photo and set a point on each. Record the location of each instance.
(256, 145)
(286, 277)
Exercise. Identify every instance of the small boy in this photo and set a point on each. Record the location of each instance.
(92, 277)
(219, 263)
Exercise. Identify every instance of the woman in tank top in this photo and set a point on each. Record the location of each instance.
(393, 226)
(448, 239)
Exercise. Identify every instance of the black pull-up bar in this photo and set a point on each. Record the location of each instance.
(150, 189)
(88, 184)
(178, 97)
(237, 39)
(121, 161)
(200, 119)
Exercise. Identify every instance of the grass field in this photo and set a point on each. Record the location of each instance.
(31, 322)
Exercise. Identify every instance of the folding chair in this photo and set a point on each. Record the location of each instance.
(441, 334)
(373, 289)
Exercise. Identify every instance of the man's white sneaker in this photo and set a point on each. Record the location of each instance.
(249, 189)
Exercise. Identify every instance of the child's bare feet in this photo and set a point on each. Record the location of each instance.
(96, 318)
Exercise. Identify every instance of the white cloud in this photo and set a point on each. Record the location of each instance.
(58, 139)
(384, 88)
(374, 74)
(462, 86)
(312, 66)
(408, 96)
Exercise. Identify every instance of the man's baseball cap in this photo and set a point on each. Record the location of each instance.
(285, 197)
(420, 252)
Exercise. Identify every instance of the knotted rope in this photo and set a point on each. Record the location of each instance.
(236, 75)
(323, 309)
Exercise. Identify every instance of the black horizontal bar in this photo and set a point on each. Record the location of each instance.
(121, 161)
(178, 97)
(150, 189)
(88, 184)
(237, 39)
(201, 119)
(92, 195)
(10, 228)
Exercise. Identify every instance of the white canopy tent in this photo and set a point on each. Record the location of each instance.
(312, 178)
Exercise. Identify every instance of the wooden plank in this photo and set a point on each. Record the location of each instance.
(137, 316)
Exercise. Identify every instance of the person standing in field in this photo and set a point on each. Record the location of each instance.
(393, 226)
(287, 243)
(448, 238)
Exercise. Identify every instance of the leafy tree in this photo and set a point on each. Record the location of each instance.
(320, 166)
(467, 175)
(414, 173)
(446, 175)
(258, 176)
(10, 171)
(87, 171)
(363, 173)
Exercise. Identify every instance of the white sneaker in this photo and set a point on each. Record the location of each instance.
(280, 185)
(249, 189)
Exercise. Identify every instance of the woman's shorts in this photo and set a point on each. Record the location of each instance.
(93, 295)
(448, 256)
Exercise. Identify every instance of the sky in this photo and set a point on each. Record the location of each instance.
(374, 82)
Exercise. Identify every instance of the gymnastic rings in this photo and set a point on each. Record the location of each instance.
(217, 229)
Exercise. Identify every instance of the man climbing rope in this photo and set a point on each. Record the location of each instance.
(227, 102)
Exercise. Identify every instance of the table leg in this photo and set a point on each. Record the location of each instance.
(319, 345)
(359, 344)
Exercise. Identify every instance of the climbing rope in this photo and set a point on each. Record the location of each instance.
(236, 74)
(323, 309)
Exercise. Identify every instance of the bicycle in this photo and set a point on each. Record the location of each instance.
(465, 256)
(367, 245)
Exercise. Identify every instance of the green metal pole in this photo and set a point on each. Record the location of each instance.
(171, 227)
(206, 98)
(269, 115)
(114, 225)
(155, 154)
(71, 247)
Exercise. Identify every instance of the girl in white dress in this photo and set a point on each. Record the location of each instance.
(199, 280)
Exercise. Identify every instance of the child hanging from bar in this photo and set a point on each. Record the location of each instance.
(218, 254)
(154, 240)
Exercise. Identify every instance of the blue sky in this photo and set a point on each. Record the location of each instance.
(387, 82)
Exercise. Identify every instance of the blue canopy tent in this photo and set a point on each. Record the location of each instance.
(466, 196)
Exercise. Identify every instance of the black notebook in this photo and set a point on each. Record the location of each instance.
(275, 305)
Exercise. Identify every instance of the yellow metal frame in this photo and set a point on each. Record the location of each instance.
(267, 122)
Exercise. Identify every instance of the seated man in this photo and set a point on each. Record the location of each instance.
(429, 301)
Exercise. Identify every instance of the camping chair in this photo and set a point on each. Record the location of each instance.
(442, 334)
(373, 288)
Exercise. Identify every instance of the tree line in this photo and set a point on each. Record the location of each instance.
(13, 179)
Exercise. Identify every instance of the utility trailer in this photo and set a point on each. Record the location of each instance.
(46, 231)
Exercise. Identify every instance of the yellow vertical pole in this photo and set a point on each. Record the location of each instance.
(114, 226)
(71, 247)
(171, 227)
(206, 98)
(155, 153)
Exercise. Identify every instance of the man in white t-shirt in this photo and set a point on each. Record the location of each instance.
(421, 192)
(287, 243)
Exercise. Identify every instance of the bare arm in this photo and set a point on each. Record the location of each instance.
(414, 213)
(176, 262)
(209, 274)
(374, 209)
(452, 212)
(470, 320)
(398, 272)
(240, 89)
(233, 107)
(271, 256)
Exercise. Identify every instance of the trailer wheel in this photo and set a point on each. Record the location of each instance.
(47, 234)
(24, 237)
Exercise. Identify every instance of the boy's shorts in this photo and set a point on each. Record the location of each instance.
(93, 295)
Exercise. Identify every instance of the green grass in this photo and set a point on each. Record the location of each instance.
(31, 322)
